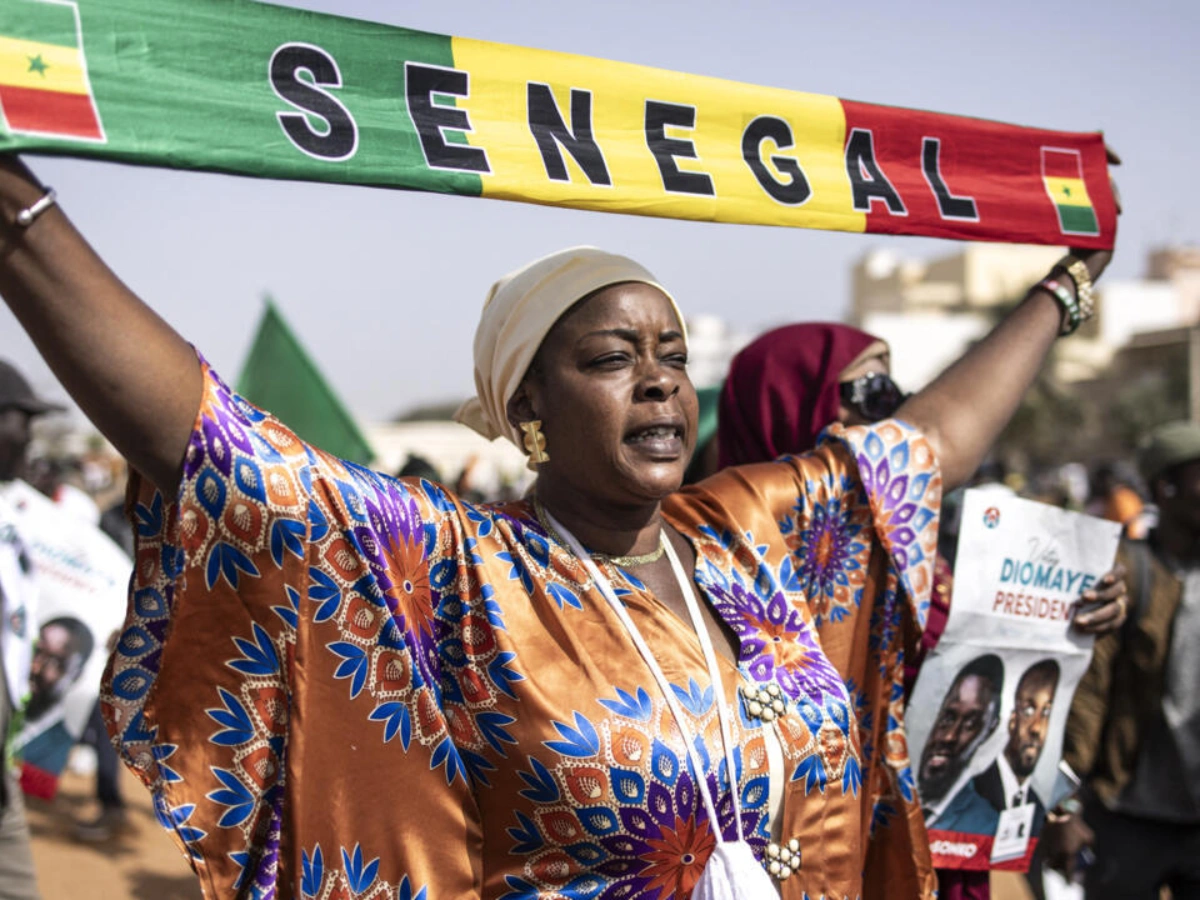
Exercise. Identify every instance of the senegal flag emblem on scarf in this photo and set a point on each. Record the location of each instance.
(1062, 171)
(44, 86)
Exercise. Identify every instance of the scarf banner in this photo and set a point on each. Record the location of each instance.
(253, 89)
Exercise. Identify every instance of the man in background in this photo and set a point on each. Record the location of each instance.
(1133, 734)
(18, 598)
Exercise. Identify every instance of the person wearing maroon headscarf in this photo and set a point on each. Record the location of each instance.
(782, 391)
(789, 385)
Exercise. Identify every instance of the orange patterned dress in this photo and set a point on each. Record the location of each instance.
(341, 685)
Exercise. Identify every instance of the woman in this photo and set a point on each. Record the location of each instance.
(785, 388)
(338, 682)
(788, 385)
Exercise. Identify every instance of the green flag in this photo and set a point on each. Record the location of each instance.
(281, 377)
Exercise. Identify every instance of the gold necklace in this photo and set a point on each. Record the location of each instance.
(622, 562)
(625, 562)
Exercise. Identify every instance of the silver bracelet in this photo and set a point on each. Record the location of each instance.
(26, 217)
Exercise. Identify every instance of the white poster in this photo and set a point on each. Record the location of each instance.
(988, 711)
(82, 579)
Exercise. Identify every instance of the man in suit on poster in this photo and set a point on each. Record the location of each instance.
(1006, 783)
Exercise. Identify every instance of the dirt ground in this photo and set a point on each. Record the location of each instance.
(142, 863)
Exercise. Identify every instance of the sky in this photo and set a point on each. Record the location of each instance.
(384, 287)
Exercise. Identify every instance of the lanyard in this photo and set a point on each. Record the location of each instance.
(710, 659)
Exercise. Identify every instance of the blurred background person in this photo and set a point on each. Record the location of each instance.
(416, 466)
(50, 476)
(787, 386)
(18, 604)
(1115, 497)
(111, 818)
(63, 648)
(1133, 734)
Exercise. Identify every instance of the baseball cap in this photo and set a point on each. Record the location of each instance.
(16, 392)
(1167, 446)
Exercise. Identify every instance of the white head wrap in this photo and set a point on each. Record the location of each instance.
(520, 310)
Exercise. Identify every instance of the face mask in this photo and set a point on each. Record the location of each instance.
(874, 396)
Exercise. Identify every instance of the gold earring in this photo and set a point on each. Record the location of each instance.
(535, 443)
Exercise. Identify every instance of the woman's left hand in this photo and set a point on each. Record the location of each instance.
(1107, 604)
(1097, 260)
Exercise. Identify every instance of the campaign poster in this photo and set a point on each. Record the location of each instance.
(82, 578)
(989, 709)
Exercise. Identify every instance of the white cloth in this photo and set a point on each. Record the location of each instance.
(732, 873)
(520, 310)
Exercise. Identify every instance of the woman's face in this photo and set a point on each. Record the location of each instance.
(610, 386)
(875, 359)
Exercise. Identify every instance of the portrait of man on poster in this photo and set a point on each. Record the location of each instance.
(968, 716)
(1007, 782)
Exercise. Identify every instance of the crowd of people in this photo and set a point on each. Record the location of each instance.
(679, 666)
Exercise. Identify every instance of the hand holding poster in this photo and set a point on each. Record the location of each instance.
(987, 714)
(81, 578)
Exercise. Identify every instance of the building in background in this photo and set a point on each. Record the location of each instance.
(929, 311)
(712, 344)
(1136, 363)
(497, 467)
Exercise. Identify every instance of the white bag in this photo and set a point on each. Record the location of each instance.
(732, 873)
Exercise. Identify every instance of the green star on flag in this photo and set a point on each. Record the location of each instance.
(44, 85)
(1062, 172)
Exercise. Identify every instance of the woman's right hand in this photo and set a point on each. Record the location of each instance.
(129, 371)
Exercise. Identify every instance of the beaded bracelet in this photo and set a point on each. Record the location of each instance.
(1073, 314)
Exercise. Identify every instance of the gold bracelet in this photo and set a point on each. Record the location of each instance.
(1079, 273)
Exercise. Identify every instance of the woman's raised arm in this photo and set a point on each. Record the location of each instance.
(963, 411)
(129, 371)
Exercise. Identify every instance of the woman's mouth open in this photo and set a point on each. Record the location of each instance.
(660, 442)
